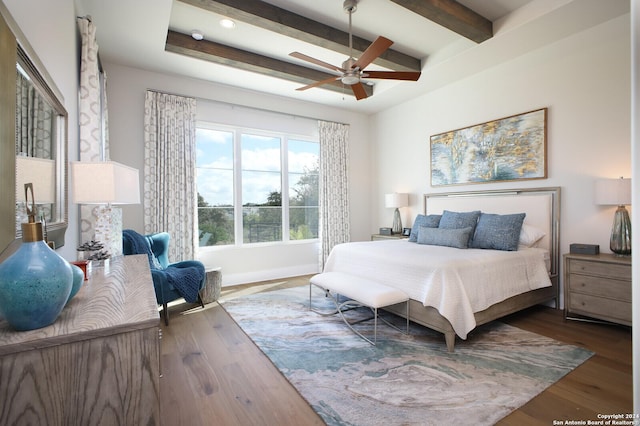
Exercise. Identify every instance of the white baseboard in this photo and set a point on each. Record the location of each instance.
(271, 274)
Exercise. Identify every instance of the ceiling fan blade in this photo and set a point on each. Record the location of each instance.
(316, 61)
(374, 50)
(319, 83)
(358, 91)
(393, 75)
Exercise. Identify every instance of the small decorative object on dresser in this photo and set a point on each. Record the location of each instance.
(598, 286)
(385, 231)
(577, 248)
(35, 282)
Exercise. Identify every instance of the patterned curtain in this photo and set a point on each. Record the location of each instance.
(334, 186)
(92, 114)
(34, 121)
(170, 196)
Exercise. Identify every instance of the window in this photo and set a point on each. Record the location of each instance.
(255, 186)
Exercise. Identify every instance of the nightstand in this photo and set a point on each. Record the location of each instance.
(598, 286)
(375, 237)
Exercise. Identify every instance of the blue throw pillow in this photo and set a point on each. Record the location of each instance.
(498, 232)
(431, 221)
(456, 237)
(456, 220)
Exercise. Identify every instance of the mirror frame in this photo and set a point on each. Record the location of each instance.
(13, 39)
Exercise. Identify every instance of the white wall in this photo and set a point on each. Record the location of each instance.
(50, 28)
(126, 88)
(583, 80)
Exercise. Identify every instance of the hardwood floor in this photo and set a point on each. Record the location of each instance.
(214, 374)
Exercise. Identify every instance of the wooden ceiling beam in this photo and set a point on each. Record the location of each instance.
(452, 15)
(273, 18)
(222, 54)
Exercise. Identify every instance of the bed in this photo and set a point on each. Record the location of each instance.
(454, 290)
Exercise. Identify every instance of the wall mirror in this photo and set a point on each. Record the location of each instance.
(41, 150)
(38, 147)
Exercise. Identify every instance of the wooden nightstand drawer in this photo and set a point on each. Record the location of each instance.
(598, 286)
(607, 309)
(602, 269)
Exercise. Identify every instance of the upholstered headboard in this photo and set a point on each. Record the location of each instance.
(541, 205)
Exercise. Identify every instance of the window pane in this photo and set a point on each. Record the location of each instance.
(214, 148)
(214, 180)
(260, 153)
(303, 223)
(261, 189)
(304, 160)
(262, 224)
(215, 225)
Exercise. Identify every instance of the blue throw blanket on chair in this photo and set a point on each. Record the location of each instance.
(186, 280)
(186, 277)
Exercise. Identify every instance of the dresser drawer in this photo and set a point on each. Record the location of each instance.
(598, 307)
(599, 286)
(603, 269)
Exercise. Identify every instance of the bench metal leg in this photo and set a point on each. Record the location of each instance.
(350, 304)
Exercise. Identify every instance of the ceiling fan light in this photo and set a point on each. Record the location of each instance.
(350, 80)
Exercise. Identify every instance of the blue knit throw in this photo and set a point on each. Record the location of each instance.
(186, 280)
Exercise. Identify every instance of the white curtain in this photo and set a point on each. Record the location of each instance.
(170, 196)
(334, 186)
(92, 114)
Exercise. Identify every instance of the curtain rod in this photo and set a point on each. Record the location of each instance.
(244, 106)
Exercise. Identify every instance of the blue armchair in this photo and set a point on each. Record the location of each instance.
(171, 281)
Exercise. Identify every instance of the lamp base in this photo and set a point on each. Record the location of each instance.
(108, 228)
(620, 242)
(397, 222)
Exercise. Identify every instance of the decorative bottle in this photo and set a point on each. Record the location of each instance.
(35, 282)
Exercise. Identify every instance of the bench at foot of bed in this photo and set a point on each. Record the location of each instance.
(359, 292)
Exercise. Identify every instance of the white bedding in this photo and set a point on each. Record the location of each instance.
(457, 282)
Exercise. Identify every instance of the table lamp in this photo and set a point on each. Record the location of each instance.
(106, 183)
(617, 192)
(396, 201)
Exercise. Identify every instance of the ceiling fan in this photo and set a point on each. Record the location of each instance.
(352, 71)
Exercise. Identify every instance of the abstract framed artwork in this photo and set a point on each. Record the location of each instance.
(507, 149)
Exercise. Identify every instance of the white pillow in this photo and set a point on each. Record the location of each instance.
(530, 236)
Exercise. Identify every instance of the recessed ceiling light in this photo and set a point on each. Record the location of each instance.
(227, 23)
(197, 35)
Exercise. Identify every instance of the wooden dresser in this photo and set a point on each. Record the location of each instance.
(598, 286)
(98, 364)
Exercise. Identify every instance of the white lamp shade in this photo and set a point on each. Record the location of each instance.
(41, 173)
(104, 182)
(613, 192)
(396, 200)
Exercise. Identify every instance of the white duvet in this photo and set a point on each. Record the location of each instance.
(457, 282)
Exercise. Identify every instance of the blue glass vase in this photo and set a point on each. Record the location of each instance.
(35, 282)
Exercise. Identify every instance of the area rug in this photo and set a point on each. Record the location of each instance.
(404, 379)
